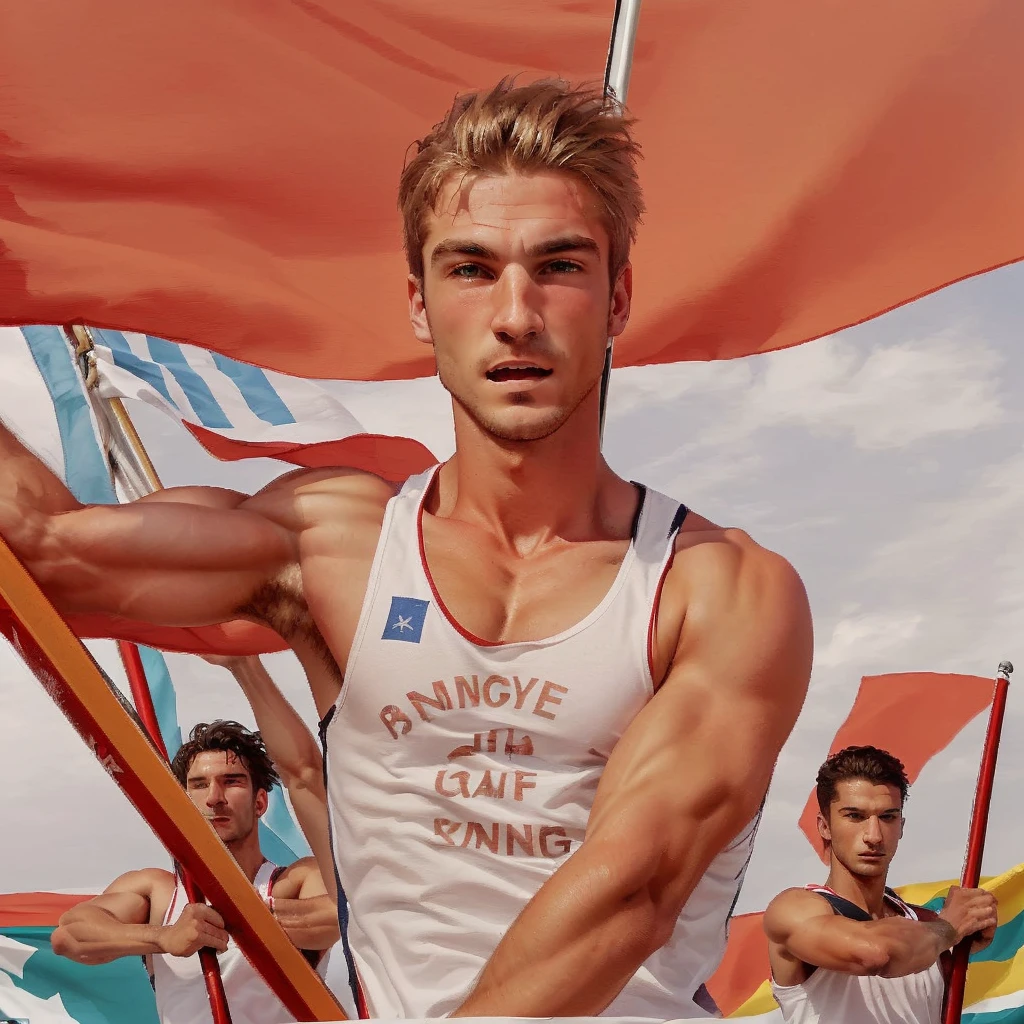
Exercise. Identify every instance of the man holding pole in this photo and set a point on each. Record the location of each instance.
(226, 771)
(517, 655)
(851, 950)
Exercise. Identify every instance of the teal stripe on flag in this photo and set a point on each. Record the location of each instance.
(281, 839)
(165, 701)
(114, 993)
(1011, 1015)
(1008, 940)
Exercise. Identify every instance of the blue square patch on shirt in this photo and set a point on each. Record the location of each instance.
(405, 620)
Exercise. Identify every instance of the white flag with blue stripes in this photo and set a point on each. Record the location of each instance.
(236, 400)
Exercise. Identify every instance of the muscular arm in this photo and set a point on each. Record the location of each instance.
(688, 775)
(184, 556)
(117, 923)
(310, 920)
(296, 755)
(112, 925)
(188, 556)
(801, 926)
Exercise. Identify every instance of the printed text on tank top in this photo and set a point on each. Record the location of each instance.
(460, 775)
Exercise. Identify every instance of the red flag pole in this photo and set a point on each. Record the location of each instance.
(143, 700)
(976, 839)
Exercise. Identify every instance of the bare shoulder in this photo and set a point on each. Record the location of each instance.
(309, 497)
(792, 907)
(726, 558)
(721, 579)
(138, 896)
(144, 882)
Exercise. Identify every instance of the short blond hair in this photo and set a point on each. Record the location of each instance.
(547, 125)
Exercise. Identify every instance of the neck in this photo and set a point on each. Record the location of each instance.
(527, 492)
(866, 893)
(248, 854)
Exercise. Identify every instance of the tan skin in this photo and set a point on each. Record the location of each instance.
(524, 532)
(862, 832)
(127, 918)
(294, 751)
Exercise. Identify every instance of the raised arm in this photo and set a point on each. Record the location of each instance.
(118, 923)
(295, 753)
(182, 557)
(687, 776)
(801, 927)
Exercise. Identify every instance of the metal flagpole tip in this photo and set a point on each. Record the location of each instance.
(1005, 669)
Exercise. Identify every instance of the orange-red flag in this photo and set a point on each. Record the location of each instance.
(913, 715)
(224, 172)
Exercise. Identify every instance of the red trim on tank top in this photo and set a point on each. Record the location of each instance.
(173, 903)
(274, 876)
(654, 614)
(364, 1013)
(480, 641)
(442, 607)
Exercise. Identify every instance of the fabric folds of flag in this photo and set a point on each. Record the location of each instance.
(807, 165)
(237, 411)
(995, 978)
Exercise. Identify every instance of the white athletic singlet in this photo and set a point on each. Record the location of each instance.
(830, 997)
(181, 991)
(461, 775)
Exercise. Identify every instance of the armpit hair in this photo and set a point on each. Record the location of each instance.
(281, 604)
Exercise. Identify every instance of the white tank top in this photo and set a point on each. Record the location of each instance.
(829, 996)
(181, 991)
(461, 775)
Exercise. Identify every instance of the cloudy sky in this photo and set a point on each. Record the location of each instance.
(885, 462)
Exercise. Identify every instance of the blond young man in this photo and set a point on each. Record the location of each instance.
(851, 950)
(519, 655)
(228, 775)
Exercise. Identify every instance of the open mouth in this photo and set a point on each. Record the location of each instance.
(505, 373)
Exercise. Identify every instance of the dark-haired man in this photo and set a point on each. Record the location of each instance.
(851, 950)
(226, 771)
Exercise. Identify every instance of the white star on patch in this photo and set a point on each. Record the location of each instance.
(403, 624)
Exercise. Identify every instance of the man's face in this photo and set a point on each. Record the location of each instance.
(516, 299)
(220, 785)
(865, 824)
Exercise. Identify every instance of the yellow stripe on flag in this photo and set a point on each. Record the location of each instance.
(762, 1001)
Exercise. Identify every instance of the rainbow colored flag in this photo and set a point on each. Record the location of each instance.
(995, 979)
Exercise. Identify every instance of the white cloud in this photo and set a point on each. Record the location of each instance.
(867, 639)
(885, 397)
